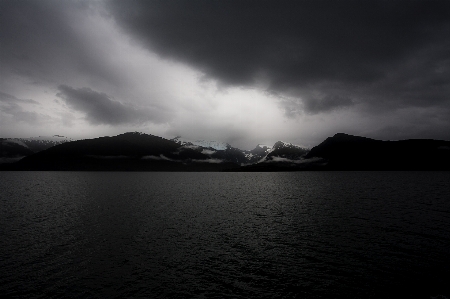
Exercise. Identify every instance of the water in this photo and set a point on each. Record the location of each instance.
(225, 235)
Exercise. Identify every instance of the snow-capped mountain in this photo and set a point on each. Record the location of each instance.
(143, 152)
(285, 152)
(149, 148)
(225, 152)
(125, 152)
(217, 145)
(261, 153)
(258, 153)
(215, 150)
(37, 144)
(13, 149)
(261, 149)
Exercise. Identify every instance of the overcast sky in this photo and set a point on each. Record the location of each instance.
(243, 72)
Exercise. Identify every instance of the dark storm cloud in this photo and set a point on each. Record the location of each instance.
(102, 109)
(327, 103)
(39, 41)
(381, 53)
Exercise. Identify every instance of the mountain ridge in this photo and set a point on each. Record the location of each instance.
(14, 149)
(134, 151)
(348, 152)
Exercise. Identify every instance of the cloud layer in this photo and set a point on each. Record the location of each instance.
(99, 108)
(13, 107)
(328, 54)
(242, 72)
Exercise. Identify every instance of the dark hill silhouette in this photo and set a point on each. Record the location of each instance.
(347, 152)
(125, 152)
(12, 150)
(260, 150)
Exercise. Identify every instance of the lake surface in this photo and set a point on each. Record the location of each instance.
(225, 235)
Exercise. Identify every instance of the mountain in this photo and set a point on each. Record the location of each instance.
(280, 152)
(11, 151)
(215, 145)
(125, 152)
(283, 150)
(255, 155)
(216, 150)
(347, 152)
(143, 152)
(283, 156)
(138, 151)
(224, 151)
(261, 150)
(14, 149)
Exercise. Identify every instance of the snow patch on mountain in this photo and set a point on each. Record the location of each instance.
(281, 144)
(217, 145)
(39, 143)
(279, 151)
(56, 138)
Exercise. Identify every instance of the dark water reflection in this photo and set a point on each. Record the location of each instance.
(225, 235)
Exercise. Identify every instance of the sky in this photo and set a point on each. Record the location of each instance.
(242, 72)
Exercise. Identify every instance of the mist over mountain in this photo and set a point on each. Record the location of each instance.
(14, 149)
(135, 151)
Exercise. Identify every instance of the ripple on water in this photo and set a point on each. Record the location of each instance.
(224, 235)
